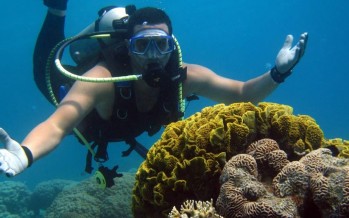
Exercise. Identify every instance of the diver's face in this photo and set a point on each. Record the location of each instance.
(161, 26)
(150, 44)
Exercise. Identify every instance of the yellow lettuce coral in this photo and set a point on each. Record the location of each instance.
(340, 144)
(188, 159)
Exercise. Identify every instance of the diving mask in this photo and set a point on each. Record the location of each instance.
(155, 38)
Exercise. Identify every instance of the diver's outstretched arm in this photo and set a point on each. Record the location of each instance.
(204, 82)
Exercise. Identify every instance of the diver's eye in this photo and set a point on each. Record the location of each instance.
(141, 45)
(162, 44)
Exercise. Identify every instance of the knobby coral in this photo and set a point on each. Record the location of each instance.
(316, 185)
(243, 194)
(328, 182)
(187, 161)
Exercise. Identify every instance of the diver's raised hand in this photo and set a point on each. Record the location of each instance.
(13, 157)
(288, 57)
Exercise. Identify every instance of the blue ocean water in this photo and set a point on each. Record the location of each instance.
(237, 39)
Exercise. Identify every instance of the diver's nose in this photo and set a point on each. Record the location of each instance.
(153, 53)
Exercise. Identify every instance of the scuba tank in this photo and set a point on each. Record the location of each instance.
(111, 19)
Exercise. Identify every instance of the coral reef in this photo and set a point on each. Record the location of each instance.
(195, 209)
(341, 146)
(187, 161)
(87, 199)
(45, 192)
(14, 200)
(63, 198)
(243, 194)
(316, 185)
(327, 182)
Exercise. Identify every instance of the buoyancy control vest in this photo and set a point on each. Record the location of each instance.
(126, 122)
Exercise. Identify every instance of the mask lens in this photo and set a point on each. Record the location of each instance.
(140, 45)
(164, 44)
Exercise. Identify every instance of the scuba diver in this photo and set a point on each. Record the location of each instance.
(151, 83)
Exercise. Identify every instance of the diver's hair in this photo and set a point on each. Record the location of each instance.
(150, 15)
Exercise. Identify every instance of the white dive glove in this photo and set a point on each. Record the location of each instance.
(288, 57)
(14, 158)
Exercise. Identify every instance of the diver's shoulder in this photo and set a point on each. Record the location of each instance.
(197, 70)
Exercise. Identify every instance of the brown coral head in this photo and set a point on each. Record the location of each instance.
(259, 149)
(230, 200)
(277, 160)
(244, 161)
(293, 179)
